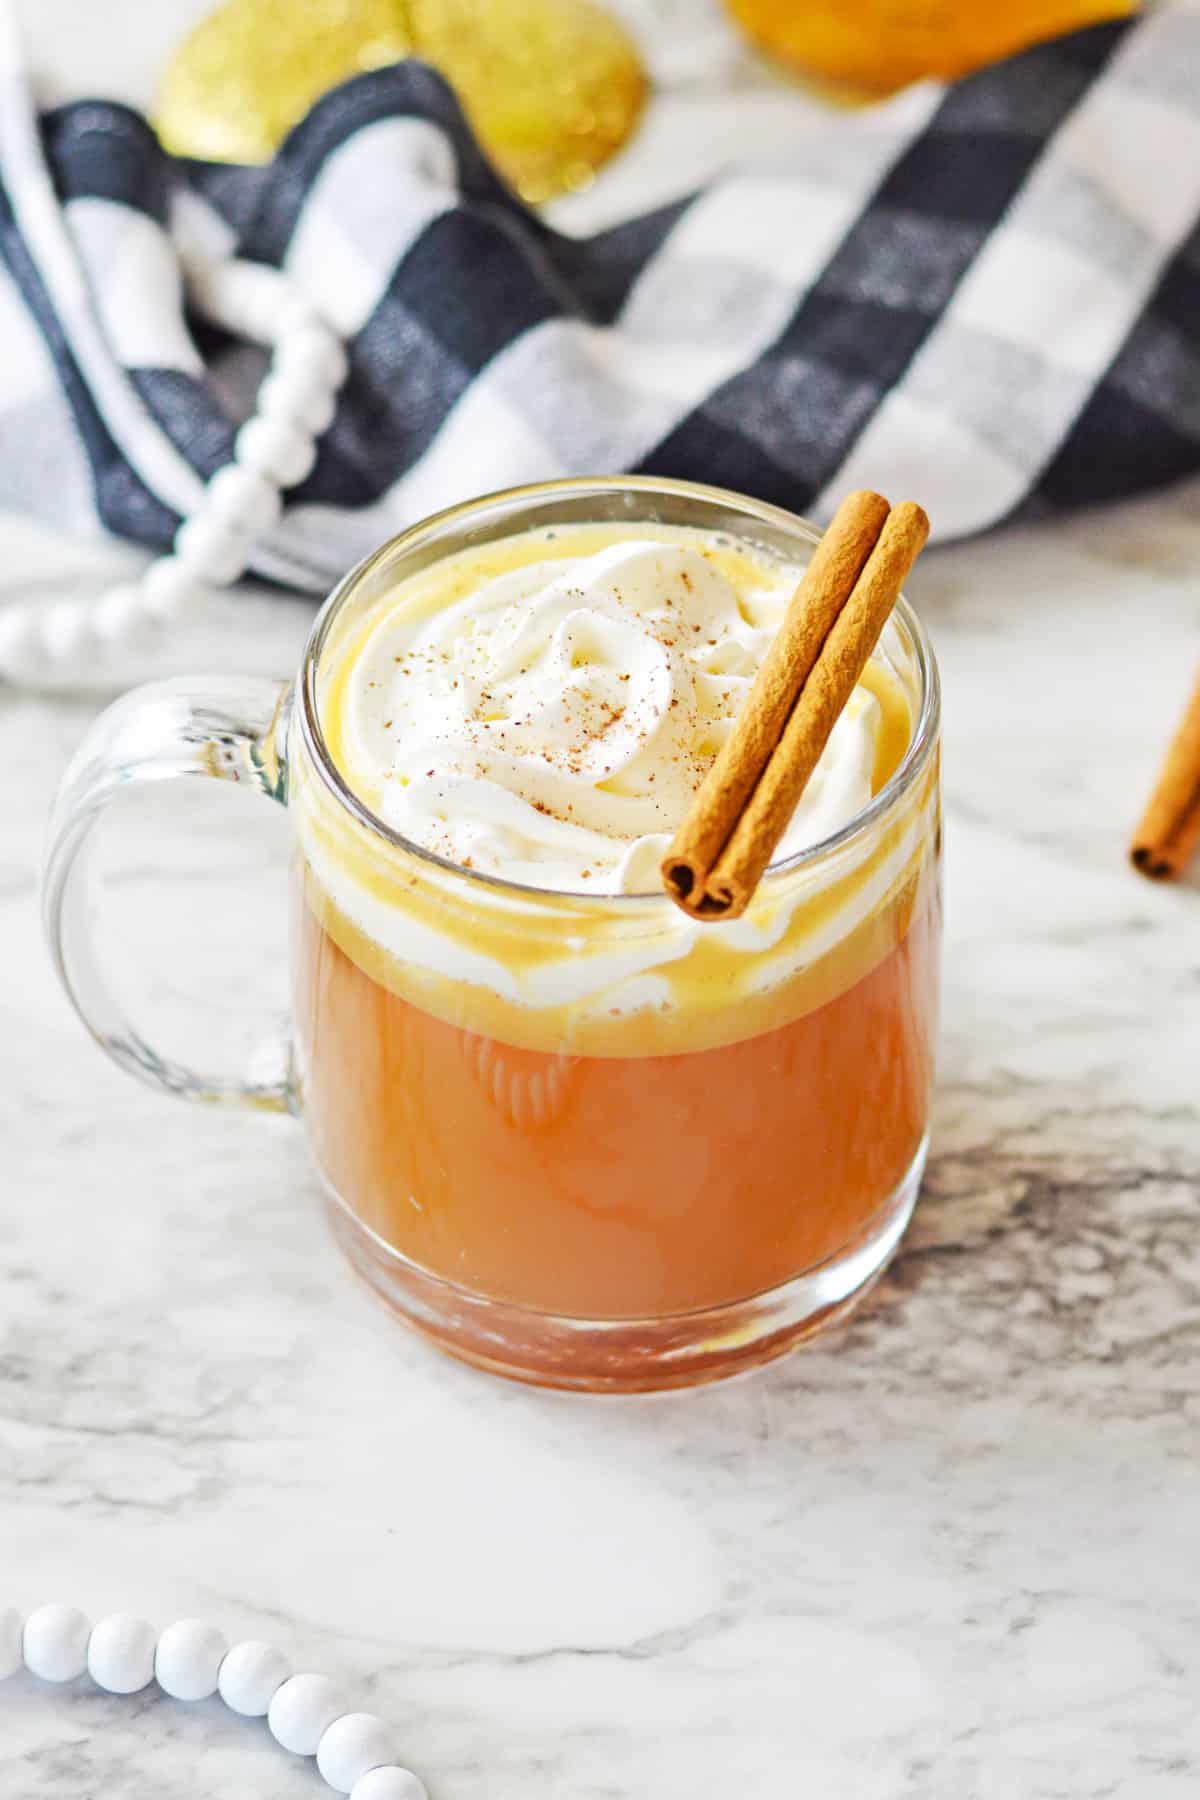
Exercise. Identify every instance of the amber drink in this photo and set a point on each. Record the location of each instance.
(571, 1134)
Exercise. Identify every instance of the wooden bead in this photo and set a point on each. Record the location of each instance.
(285, 453)
(188, 1659)
(245, 297)
(244, 500)
(314, 356)
(120, 1655)
(353, 1745)
(55, 1643)
(251, 1676)
(302, 1711)
(281, 396)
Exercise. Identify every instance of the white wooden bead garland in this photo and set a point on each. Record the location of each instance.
(355, 1751)
(274, 450)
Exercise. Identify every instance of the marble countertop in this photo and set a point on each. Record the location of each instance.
(948, 1554)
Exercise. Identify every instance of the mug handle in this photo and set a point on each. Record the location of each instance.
(229, 728)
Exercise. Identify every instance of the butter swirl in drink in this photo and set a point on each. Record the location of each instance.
(567, 1095)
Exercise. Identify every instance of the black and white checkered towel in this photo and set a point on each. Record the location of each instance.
(986, 296)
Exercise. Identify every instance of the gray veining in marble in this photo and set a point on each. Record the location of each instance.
(949, 1554)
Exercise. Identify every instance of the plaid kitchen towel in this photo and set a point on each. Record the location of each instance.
(986, 294)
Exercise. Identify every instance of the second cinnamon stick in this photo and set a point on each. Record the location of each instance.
(1169, 832)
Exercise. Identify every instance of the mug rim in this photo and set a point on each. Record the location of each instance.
(907, 771)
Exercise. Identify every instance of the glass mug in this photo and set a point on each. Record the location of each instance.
(551, 1186)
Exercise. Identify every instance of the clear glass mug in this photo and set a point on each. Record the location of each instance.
(576, 1139)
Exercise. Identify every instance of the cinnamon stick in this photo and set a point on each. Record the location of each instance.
(837, 562)
(1169, 832)
(725, 845)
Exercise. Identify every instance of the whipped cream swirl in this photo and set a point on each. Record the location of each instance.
(553, 726)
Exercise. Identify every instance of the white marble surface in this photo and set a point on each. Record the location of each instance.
(949, 1554)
